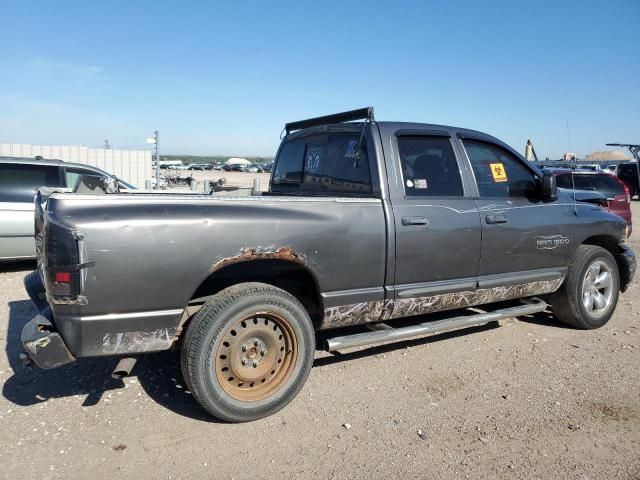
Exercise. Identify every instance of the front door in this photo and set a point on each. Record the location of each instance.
(438, 232)
(524, 239)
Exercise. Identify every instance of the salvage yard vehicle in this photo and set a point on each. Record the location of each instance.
(19, 178)
(617, 197)
(364, 223)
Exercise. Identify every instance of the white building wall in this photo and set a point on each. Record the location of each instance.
(132, 166)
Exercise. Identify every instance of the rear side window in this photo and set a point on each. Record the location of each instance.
(600, 183)
(429, 167)
(72, 175)
(498, 173)
(323, 164)
(18, 182)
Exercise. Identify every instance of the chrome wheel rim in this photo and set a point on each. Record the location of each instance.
(597, 289)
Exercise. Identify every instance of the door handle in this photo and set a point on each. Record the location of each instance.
(415, 221)
(496, 219)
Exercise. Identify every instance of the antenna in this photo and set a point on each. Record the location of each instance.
(572, 167)
(573, 188)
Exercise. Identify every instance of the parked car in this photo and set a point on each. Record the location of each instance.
(235, 167)
(628, 173)
(364, 222)
(19, 178)
(592, 167)
(612, 188)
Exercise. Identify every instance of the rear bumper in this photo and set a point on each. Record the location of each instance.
(55, 338)
(627, 264)
(44, 346)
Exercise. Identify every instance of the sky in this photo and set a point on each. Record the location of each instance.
(224, 77)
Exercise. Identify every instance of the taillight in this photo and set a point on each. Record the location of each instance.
(63, 277)
(61, 261)
(627, 192)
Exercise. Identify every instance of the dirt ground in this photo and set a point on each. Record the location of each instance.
(529, 399)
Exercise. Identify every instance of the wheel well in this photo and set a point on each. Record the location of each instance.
(610, 244)
(289, 276)
(605, 241)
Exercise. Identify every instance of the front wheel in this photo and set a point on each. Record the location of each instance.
(248, 351)
(589, 294)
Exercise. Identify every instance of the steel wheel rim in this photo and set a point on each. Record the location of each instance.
(256, 356)
(597, 289)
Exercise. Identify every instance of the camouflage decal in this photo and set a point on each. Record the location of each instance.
(355, 314)
(452, 301)
(365, 312)
(138, 342)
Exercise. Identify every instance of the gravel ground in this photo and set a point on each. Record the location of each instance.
(528, 399)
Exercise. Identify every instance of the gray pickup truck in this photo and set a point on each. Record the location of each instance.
(364, 223)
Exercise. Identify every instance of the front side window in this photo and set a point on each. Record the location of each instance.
(323, 164)
(429, 167)
(18, 182)
(498, 173)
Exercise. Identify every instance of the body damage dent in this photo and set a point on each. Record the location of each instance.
(39, 343)
(63, 300)
(260, 253)
(373, 311)
(138, 342)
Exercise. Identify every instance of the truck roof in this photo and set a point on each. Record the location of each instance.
(347, 121)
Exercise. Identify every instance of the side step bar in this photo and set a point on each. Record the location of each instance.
(384, 333)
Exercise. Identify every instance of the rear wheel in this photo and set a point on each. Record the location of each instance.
(248, 351)
(589, 295)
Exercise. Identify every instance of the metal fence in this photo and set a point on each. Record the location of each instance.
(132, 166)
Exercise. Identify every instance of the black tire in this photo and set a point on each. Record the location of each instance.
(208, 339)
(567, 302)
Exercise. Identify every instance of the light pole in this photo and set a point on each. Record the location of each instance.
(154, 141)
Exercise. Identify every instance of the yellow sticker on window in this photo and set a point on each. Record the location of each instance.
(498, 172)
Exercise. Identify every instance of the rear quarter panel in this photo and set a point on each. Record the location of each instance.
(152, 252)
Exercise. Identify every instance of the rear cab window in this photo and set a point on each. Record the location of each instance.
(18, 182)
(323, 164)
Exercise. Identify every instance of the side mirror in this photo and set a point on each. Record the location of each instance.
(548, 188)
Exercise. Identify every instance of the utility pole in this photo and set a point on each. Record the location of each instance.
(106, 144)
(157, 137)
(154, 140)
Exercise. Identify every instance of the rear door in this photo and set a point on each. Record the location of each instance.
(524, 239)
(17, 189)
(437, 227)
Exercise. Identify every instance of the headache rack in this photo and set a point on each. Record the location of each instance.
(359, 114)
